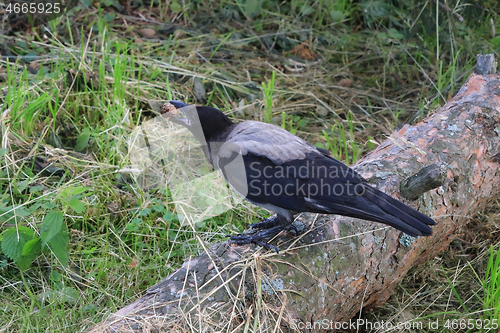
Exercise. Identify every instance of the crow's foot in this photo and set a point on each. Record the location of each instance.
(257, 238)
(270, 222)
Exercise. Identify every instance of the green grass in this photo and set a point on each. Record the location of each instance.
(342, 145)
(491, 286)
(122, 237)
(268, 89)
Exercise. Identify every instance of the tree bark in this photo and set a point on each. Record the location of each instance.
(341, 264)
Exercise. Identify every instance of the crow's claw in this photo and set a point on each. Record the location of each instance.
(268, 246)
(243, 240)
(294, 228)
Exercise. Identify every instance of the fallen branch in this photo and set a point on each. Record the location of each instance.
(341, 264)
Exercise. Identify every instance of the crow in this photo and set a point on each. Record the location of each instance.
(287, 175)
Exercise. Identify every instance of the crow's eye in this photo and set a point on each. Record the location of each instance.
(170, 109)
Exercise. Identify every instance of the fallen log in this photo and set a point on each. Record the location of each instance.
(447, 164)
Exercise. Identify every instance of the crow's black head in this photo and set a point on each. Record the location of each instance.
(211, 121)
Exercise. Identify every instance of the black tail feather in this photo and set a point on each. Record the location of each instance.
(377, 206)
(399, 215)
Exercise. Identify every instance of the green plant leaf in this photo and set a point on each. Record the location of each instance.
(252, 8)
(24, 262)
(14, 240)
(59, 244)
(48, 205)
(35, 189)
(30, 251)
(77, 205)
(69, 192)
(495, 41)
(22, 211)
(336, 15)
(32, 247)
(393, 33)
(6, 213)
(175, 7)
(82, 140)
(22, 185)
(145, 212)
(51, 225)
(69, 295)
(108, 17)
(376, 9)
(66, 294)
(55, 276)
(78, 190)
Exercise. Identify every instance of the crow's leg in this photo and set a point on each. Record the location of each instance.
(270, 222)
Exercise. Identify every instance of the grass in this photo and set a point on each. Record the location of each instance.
(268, 96)
(342, 145)
(491, 286)
(464, 301)
(338, 81)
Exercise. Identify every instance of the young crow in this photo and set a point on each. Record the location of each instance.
(287, 175)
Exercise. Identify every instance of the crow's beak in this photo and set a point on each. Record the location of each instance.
(179, 113)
